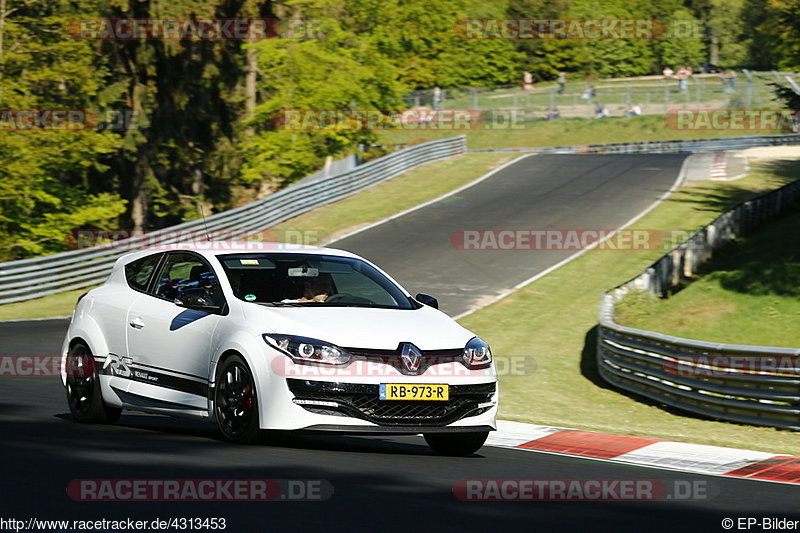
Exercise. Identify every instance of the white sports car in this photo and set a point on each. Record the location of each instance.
(280, 337)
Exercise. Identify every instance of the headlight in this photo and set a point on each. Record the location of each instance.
(477, 354)
(307, 350)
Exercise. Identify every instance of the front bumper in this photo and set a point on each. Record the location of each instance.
(354, 406)
(360, 401)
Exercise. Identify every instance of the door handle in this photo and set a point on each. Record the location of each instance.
(136, 323)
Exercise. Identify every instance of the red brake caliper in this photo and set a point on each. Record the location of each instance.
(249, 397)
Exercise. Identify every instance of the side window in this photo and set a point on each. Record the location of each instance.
(185, 271)
(138, 272)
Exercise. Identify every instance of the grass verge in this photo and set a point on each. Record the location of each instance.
(60, 304)
(748, 294)
(324, 223)
(553, 319)
(562, 132)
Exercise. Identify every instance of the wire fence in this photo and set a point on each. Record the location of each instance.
(647, 95)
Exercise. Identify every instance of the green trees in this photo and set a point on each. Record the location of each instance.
(48, 178)
(193, 122)
(341, 71)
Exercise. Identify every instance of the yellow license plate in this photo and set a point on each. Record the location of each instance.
(434, 392)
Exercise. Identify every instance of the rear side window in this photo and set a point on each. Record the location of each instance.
(138, 273)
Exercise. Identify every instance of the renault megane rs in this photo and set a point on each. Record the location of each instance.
(277, 337)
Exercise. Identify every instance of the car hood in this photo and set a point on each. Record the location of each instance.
(355, 327)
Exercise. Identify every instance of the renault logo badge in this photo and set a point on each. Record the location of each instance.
(411, 356)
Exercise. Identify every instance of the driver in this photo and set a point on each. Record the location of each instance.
(316, 289)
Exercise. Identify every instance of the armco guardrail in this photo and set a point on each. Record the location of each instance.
(661, 147)
(749, 384)
(26, 279)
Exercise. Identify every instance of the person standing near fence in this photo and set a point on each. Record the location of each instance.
(683, 82)
(729, 80)
(527, 81)
(562, 82)
(437, 97)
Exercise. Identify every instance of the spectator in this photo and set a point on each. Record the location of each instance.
(527, 81)
(667, 73)
(601, 111)
(588, 93)
(562, 82)
(729, 80)
(437, 98)
(683, 79)
(553, 114)
(633, 111)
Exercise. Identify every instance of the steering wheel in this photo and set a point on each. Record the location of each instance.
(343, 297)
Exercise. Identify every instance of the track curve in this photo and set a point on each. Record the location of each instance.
(538, 192)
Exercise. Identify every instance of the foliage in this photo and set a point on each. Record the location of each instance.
(46, 186)
(198, 116)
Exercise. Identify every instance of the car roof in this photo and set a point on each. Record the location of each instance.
(216, 248)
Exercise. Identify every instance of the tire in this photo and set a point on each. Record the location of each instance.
(236, 402)
(456, 444)
(83, 388)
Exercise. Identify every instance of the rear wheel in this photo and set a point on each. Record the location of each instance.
(456, 444)
(235, 401)
(83, 388)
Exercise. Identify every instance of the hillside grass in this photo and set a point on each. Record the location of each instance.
(564, 132)
(748, 294)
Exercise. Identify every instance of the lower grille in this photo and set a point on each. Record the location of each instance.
(361, 401)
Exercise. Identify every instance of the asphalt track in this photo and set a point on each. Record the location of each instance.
(379, 483)
(539, 192)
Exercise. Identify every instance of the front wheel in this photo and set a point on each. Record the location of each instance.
(235, 401)
(456, 444)
(83, 388)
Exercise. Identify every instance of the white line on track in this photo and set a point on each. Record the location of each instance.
(678, 181)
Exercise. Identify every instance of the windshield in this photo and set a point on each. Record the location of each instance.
(310, 280)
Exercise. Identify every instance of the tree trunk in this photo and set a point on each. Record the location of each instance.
(139, 210)
(198, 185)
(140, 194)
(713, 50)
(2, 26)
(250, 88)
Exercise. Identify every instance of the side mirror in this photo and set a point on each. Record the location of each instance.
(428, 300)
(199, 299)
